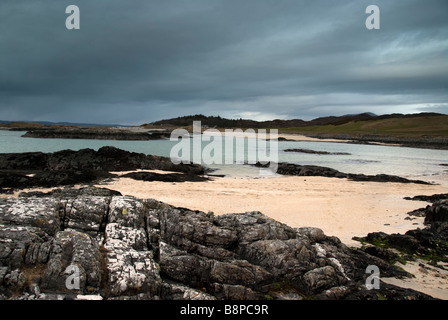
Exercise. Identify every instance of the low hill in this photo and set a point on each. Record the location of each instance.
(423, 130)
(219, 122)
(364, 123)
(422, 125)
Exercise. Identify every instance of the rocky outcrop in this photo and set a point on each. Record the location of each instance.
(292, 169)
(71, 243)
(430, 243)
(68, 167)
(316, 152)
(94, 133)
(166, 177)
(425, 142)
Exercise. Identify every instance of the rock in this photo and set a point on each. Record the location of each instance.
(130, 271)
(313, 234)
(437, 213)
(68, 167)
(169, 177)
(385, 292)
(319, 279)
(316, 152)
(84, 213)
(383, 253)
(428, 243)
(433, 198)
(94, 133)
(178, 265)
(129, 248)
(41, 214)
(73, 249)
(309, 170)
(398, 241)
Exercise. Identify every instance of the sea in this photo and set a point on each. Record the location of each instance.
(415, 163)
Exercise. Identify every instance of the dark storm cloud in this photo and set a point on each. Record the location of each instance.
(139, 61)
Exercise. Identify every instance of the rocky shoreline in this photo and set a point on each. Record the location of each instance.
(129, 248)
(68, 167)
(410, 142)
(430, 243)
(95, 133)
(292, 169)
(317, 152)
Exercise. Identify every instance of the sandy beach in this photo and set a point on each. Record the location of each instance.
(339, 207)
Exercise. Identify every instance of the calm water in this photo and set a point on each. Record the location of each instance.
(367, 159)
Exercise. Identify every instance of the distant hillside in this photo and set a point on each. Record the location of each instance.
(421, 125)
(219, 122)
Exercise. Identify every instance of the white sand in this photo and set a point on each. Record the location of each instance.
(428, 279)
(339, 207)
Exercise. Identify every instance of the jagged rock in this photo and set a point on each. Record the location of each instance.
(428, 243)
(316, 152)
(437, 213)
(68, 167)
(383, 253)
(433, 198)
(85, 213)
(168, 177)
(130, 271)
(319, 279)
(42, 213)
(292, 169)
(128, 248)
(73, 248)
(93, 133)
(385, 292)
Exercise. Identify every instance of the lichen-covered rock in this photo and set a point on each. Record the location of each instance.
(72, 248)
(86, 213)
(130, 265)
(40, 213)
(91, 243)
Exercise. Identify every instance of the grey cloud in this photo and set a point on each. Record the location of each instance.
(141, 61)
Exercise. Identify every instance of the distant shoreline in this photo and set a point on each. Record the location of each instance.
(95, 134)
(139, 133)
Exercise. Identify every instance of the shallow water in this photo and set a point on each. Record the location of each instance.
(367, 159)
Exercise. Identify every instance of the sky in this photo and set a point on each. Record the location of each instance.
(138, 61)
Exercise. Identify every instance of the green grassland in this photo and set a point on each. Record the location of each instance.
(430, 126)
